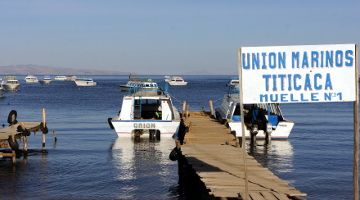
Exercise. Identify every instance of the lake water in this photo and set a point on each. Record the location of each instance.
(90, 162)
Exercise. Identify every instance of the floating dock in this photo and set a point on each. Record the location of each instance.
(212, 153)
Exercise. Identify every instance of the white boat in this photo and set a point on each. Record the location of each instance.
(130, 84)
(146, 112)
(176, 80)
(2, 90)
(71, 78)
(260, 119)
(233, 82)
(60, 78)
(46, 80)
(31, 79)
(10, 83)
(135, 84)
(84, 82)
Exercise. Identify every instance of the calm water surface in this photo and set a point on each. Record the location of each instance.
(90, 162)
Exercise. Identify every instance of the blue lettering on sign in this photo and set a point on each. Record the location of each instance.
(349, 58)
(304, 60)
(339, 58)
(314, 58)
(297, 77)
(316, 83)
(295, 59)
(308, 82)
(300, 97)
(307, 85)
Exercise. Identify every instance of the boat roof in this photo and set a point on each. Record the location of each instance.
(10, 78)
(149, 94)
(84, 79)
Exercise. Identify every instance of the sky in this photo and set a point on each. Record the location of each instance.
(165, 36)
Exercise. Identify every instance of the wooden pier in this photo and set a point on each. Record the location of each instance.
(9, 136)
(211, 151)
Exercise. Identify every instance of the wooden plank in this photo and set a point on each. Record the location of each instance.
(281, 196)
(256, 196)
(269, 196)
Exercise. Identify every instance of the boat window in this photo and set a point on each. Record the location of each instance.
(237, 110)
(147, 109)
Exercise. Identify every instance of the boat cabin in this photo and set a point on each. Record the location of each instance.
(147, 106)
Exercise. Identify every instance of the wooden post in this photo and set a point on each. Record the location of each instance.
(242, 125)
(183, 108)
(25, 150)
(54, 135)
(211, 105)
(13, 157)
(187, 110)
(44, 124)
(356, 129)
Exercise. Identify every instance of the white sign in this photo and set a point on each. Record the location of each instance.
(298, 74)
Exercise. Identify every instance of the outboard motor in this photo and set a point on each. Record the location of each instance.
(254, 129)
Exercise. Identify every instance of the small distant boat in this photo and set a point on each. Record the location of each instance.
(233, 82)
(31, 79)
(135, 83)
(46, 80)
(81, 82)
(134, 86)
(11, 83)
(167, 78)
(176, 80)
(60, 78)
(2, 90)
(71, 78)
(146, 112)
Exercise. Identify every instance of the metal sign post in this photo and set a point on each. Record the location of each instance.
(243, 144)
(356, 130)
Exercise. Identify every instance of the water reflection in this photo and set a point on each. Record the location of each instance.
(142, 164)
(277, 155)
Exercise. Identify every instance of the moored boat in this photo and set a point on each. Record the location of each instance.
(233, 82)
(85, 82)
(11, 83)
(46, 80)
(71, 78)
(31, 79)
(2, 90)
(149, 112)
(136, 83)
(176, 81)
(261, 120)
(60, 78)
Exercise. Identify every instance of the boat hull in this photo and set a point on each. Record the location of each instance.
(45, 82)
(85, 83)
(11, 87)
(177, 83)
(127, 127)
(282, 130)
(32, 81)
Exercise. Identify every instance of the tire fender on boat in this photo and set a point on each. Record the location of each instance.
(12, 117)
